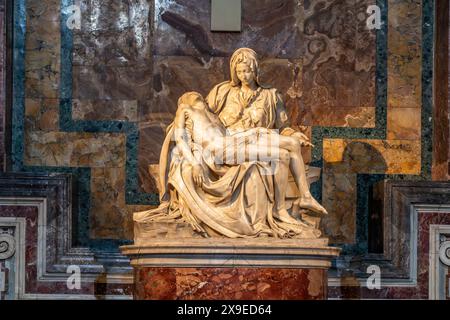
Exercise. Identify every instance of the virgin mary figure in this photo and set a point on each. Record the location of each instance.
(242, 200)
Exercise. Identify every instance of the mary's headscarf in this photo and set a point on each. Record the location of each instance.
(247, 56)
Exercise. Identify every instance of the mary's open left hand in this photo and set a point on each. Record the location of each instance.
(304, 140)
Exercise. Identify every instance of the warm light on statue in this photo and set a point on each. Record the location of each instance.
(225, 162)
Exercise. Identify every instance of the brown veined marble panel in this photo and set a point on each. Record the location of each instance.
(355, 117)
(42, 73)
(339, 60)
(41, 35)
(229, 283)
(110, 217)
(118, 48)
(116, 15)
(404, 123)
(112, 83)
(441, 106)
(112, 58)
(44, 10)
(373, 156)
(175, 75)
(365, 56)
(339, 198)
(112, 55)
(41, 114)
(126, 110)
(272, 28)
(286, 76)
(108, 211)
(42, 56)
(63, 149)
(404, 53)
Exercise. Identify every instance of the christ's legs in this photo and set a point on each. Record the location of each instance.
(281, 184)
(296, 165)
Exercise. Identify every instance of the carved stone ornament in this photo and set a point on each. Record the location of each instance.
(7, 246)
(444, 252)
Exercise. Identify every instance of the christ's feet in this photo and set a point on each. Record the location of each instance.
(311, 204)
(284, 216)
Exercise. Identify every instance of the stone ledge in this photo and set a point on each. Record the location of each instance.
(258, 252)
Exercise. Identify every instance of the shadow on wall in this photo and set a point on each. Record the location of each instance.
(359, 157)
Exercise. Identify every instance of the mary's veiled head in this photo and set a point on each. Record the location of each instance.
(247, 56)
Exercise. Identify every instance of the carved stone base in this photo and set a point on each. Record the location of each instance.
(262, 268)
(229, 284)
(145, 232)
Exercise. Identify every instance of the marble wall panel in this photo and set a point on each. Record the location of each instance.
(404, 69)
(339, 198)
(111, 217)
(112, 83)
(286, 76)
(339, 62)
(47, 10)
(74, 149)
(43, 51)
(183, 28)
(405, 56)
(404, 123)
(125, 110)
(42, 73)
(355, 117)
(107, 204)
(41, 35)
(112, 48)
(42, 114)
(113, 32)
(174, 75)
(112, 59)
(441, 93)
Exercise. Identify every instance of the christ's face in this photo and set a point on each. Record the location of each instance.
(245, 74)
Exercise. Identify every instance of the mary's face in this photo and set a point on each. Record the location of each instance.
(245, 74)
